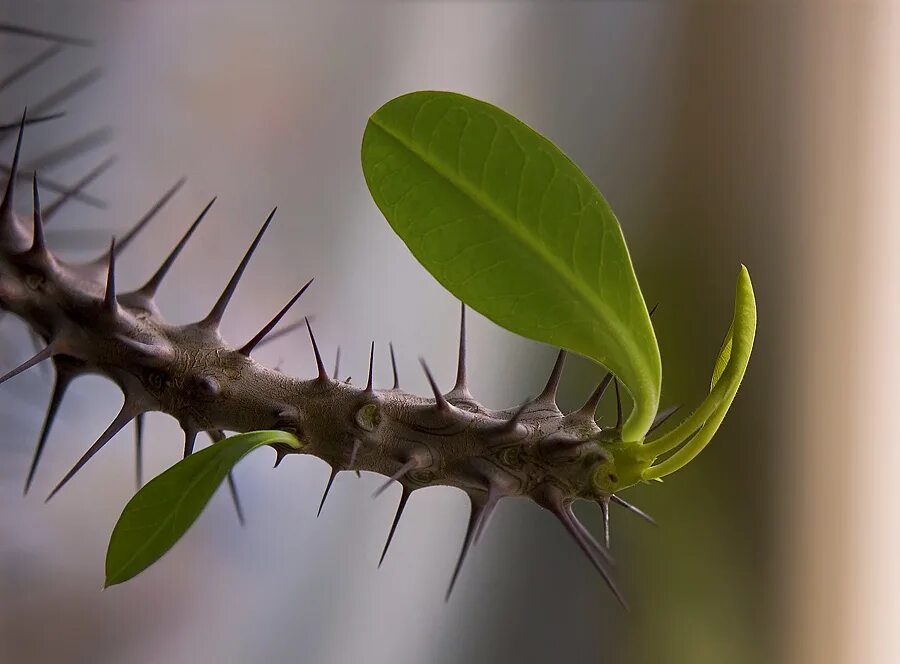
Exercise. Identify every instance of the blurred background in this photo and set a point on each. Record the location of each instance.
(721, 133)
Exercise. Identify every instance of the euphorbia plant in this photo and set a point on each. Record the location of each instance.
(507, 224)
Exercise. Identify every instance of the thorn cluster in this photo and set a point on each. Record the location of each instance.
(189, 372)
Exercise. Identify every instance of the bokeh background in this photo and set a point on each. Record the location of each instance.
(763, 133)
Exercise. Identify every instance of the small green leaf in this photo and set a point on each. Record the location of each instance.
(695, 432)
(511, 226)
(162, 511)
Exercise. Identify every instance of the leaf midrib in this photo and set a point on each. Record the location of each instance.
(571, 280)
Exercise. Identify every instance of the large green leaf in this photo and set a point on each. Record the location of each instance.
(695, 432)
(509, 225)
(161, 512)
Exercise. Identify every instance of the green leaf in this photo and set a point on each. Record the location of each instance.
(162, 511)
(695, 432)
(511, 226)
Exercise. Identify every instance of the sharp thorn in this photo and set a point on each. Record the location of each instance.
(548, 395)
(149, 289)
(320, 366)
(38, 243)
(653, 309)
(334, 472)
(45, 36)
(598, 556)
(32, 121)
(139, 451)
(76, 189)
(370, 382)
(405, 468)
(109, 300)
(250, 345)
(61, 384)
(661, 418)
(67, 91)
(214, 317)
(6, 205)
(45, 354)
(149, 215)
(631, 508)
(286, 330)
(190, 437)
(337, 363)
(604, 508)
(589, 408)
(236, 499)
(125, 416)
(404, 497)
(618, 405)
(461, 385)
(396, 385)
(357, 444)
(475, 514)
(71, 150)
(57, 188)
(441, 403)
(490, 505)
(50, 52)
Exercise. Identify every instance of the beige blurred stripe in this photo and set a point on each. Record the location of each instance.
(841, 519)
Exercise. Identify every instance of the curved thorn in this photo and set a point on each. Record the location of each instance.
(475, 514)
(589, 408)
(63, 379)
(214, 317)
(371, 379)
(139, 451)
(109, 300)
(440, 402)
(631, 508)
(618, 405)
(149, 289)
(337, 363)
(76, 189)
(125, 416)
(510, 425)
(320, 366)
(412, 464)
(548, 395)
(661, 418)
(250, 345)
(334, 472)
(404, 497)
(39, 357)
(236, 499)
(26, 68)
(6, 205)
(396, 385)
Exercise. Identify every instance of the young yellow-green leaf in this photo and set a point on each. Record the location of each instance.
(697, 430)
(513, 228)
(162, 511)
